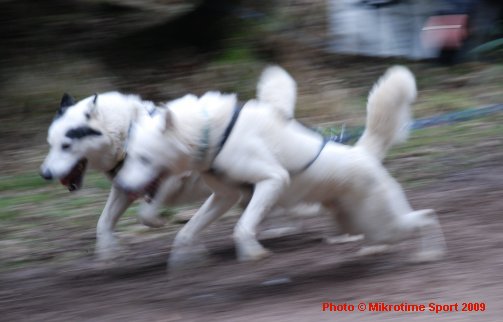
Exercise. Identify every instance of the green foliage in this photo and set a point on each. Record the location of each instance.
(235, 54)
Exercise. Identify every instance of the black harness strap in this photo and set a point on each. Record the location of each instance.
(237, 110)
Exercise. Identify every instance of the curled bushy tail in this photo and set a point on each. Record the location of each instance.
(388, 111)
(277, 88)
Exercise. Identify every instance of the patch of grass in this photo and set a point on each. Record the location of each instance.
(132, 210)
(444, 149)
(26, 198)
(97, 180)
(22, 181)
(443, 102)
(13, 206)
(78, 202)
(26, 195)
(454, 135)
(8, 214)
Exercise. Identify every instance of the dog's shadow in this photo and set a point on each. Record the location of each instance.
(296, 263)
(283, 244)
(282, 282)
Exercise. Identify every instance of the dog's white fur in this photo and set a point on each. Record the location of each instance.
(112, 114)
(265, 147)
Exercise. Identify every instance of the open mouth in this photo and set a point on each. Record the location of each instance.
(149, 192)
(151, 189)
(73, 180)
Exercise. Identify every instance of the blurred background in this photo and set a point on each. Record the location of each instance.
(336, 50)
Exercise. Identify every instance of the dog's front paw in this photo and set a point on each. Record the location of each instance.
(374, 250)
(150, 218)
(107, 249)
(342, 239)
(279, 232)
(251, 250)
(152, 221)
(186, 257)
(426, 256)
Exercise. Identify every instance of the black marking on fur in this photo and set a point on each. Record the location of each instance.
(82, 131)
(66, 101)
(95, 99)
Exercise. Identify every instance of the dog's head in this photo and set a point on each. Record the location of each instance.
(74, 137)
(155, 149)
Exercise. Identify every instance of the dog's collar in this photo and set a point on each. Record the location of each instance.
(126, 142)
(113, 172)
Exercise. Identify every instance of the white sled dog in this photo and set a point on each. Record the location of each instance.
(93, 133)
(261, 145)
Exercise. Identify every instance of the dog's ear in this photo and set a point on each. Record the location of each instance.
(92, 112)
(66, 101)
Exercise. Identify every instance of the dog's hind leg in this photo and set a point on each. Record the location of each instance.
(186, 248)
(265, 195)
(433, 245)
(341, 229)
(106, 243)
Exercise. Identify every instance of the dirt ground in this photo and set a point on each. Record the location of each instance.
(303, 273)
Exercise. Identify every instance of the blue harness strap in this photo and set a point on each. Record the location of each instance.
(310, 163)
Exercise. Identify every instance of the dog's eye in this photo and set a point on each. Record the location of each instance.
(145, 160)
(65, 146)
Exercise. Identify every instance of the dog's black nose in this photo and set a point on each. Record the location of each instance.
(46, 174)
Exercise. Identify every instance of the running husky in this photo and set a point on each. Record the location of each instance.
(261, 145)
(93, 133)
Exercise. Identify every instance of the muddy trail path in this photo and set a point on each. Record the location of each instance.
(291, 285)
